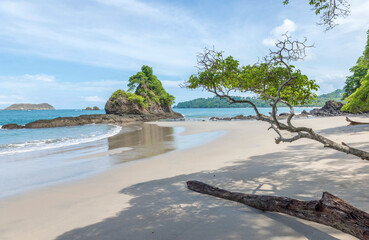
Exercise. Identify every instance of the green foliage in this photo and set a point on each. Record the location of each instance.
(148, 86)
(216, 102)
(141, 101)
(359, 100)
(118, 93)
(132, 97)
(359, 71)
(228, 75)
(143, 88)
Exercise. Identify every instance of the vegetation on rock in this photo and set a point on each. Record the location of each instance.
(132, 97)
(145, 95)
(148, 86)
(144, 88)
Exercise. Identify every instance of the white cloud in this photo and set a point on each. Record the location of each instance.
(269, 42)
(116, 34)
(358, 19)
(288, 26)
(26, 89)
(11, 99)
(40, 77)
(94, 99)
(167, 83)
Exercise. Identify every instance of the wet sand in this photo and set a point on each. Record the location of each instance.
(147, 199)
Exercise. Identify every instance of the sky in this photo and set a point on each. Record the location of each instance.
(73, 54)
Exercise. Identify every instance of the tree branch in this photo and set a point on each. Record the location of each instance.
(329, 210)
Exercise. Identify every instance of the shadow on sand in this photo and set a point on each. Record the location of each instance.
(165, 209)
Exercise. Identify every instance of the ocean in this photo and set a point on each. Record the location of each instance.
(206, 113)
(33, 158)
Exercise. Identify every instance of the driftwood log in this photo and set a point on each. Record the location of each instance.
(329, 210)
(352, 122)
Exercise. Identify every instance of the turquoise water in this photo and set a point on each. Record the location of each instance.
(26, 140)
(33, 158)
(22, 117)
(205, 113)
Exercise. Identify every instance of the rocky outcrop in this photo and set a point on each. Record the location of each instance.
(28, 106)
(330, 108)
(122, 105)
(91, 108)
(93, 119)
(12, 126)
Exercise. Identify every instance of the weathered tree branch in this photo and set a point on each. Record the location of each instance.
(352, 122)
(329, 210)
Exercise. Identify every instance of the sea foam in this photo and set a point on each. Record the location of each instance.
(42, 144)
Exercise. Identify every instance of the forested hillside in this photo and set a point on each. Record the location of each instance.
(216, 102)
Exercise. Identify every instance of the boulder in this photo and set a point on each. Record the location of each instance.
(304, 112)
(121, 106)
(330, 108)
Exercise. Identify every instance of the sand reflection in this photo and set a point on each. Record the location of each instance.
(146, 140)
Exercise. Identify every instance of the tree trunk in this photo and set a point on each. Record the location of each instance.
(329, 210)
(352, 122)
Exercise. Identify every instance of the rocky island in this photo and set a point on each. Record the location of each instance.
(90, 108)
(146, 100)
(29, 106)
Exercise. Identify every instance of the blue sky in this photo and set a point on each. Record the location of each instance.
(74, 54)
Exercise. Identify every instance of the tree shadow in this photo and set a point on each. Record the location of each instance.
(348, 130)
(166, 209)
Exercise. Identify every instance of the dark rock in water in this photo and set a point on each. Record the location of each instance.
(94, 119)
(89, 108)
(284, 114)
(28, 106)
(304, 112)
(12, 126)
(330, 108)
(238, 117)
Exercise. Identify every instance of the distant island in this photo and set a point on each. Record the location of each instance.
(90, 108)
(216, 102)
(29, 106)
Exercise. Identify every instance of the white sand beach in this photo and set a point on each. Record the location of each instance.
(148, 199)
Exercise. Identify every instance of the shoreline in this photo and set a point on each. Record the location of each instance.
(155, 189)
(84, 159)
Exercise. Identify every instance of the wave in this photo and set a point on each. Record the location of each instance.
(43, 144)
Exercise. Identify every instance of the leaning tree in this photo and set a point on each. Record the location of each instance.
(276, 80)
